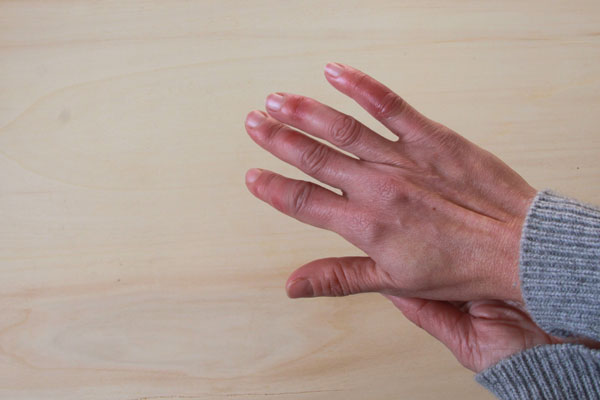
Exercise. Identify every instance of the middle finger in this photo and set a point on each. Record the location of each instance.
(338, 128)
(312, 157)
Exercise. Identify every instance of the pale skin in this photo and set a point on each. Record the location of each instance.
(439, 217)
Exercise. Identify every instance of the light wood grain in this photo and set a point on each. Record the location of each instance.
(134, 262)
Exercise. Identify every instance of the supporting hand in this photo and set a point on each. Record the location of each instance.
(479, 333)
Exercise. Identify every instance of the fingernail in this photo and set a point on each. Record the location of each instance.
(252, 174)
(300, 288)
(274, 102)
(334, 69)
(255, 118)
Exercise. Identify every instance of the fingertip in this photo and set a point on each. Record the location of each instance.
(334, 70)
(252, 174)
(255, 118)
(275, 101)
(298, 288)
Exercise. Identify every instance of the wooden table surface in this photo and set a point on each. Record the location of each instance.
(134, 262)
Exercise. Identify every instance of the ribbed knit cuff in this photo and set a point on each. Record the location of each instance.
(560, 265)
(561, 371)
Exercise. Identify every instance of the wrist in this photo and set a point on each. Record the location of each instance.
(508, 276)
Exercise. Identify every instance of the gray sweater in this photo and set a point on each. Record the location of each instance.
(560, 280)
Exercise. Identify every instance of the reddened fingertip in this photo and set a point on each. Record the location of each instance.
(252, 174)
(334, 69)
(300, 288)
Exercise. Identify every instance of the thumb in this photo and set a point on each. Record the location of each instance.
(337, 276)
(440, 319)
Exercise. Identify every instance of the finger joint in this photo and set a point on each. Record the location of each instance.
(338, 281)
(301, 197)
(390, 106)
(314, 158)
(359, 81)
(345, 131)
(274, 130)
(299, 107)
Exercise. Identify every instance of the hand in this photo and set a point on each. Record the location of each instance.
(438, 217)
(479, 333)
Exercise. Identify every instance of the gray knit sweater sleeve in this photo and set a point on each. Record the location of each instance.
(560, 280)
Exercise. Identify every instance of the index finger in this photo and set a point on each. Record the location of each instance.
(379, 100)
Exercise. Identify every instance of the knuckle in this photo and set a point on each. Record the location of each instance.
(449, 140)
(336, 281)
(298, 107)
(300, 197)
(374, 231)
(390, 188)
(359, 222)
(365, 228)
(264, 183)
(391, 105)
(359, 81)
(314, 158)
(344, 131)
(272, 130)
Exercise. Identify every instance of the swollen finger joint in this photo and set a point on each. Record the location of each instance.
(390, 106)
(314, 158)
(301, 197)
(344, 131)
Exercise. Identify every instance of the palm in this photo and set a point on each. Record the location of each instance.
(479, 333)
(493, 330)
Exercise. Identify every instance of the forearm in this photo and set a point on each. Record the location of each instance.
(560, 280)
(560, 265)
(563, 371)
